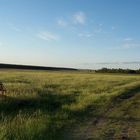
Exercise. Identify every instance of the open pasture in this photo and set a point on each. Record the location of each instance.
(59, 105)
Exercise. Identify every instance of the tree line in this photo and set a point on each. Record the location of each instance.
(127, 71)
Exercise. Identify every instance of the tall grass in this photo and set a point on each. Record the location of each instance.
(42, 105)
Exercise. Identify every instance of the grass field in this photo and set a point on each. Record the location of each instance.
(45, 105)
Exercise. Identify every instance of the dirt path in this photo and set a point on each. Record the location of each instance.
(94, 125)
(88, 130)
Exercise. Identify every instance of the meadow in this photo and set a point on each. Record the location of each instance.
(68, 105)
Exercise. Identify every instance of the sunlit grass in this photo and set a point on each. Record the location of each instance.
(43, 105)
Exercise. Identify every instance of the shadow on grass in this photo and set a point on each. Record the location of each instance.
(46, 102)
(53, 102)
(98, 113)
(128, 94)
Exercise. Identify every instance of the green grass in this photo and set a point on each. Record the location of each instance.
(45, 105)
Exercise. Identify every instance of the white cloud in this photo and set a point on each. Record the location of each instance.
(131, 45)
(128, 39)
(79, 18)
(100, 24)
(48, 36)
(62, 22)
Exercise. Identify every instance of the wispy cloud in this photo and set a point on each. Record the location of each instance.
(110, 63)
(14, 27)
(113, 27)
(131, 45)
(62, 22)
(127, 62)
(79, 18)
(128, 39)
(48, 36)
(98, 28)
(85, 35)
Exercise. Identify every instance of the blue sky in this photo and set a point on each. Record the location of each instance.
(70, 33)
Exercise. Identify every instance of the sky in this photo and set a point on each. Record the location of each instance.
(70, 33)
